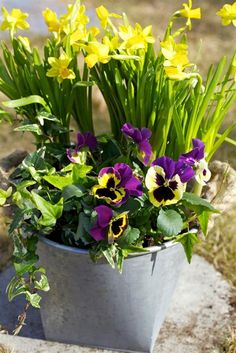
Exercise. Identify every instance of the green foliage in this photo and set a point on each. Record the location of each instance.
(169, 222)
(188, 240)
(4, 195)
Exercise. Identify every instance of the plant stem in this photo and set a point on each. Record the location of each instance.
(197, 189)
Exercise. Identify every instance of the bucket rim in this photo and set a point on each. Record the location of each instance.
(74, 250)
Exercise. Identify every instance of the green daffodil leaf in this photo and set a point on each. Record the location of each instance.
(169, 223)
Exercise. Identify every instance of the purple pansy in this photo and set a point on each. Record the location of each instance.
(116, 184)
(107, 226)
(193, 164)
(141, 138)
(84, 141)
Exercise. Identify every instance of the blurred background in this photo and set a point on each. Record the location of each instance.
(208, 41)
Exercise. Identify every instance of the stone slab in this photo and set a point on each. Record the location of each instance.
(196, 322)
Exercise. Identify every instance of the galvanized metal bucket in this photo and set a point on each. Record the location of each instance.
(93, 305)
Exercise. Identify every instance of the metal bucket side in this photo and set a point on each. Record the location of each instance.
(93, 305)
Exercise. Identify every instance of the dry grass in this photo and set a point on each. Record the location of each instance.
(230, 344)
(4, 349)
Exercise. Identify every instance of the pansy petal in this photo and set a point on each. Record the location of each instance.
(98, 233)
(184, 170)
(146, 150)
(104, 215)
(80, 140)
(146, 133)
(133, 132)
(125, 173)
(90, 140)
(155, 177)
(200, 147)
(134, 187)
(167, 164)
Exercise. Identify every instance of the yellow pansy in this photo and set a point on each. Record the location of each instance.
(59, 68)
(136, 38)
(14, 20)
(228, 14)
(103, 15)
(97, 52)
(190, 13)
(51, 20)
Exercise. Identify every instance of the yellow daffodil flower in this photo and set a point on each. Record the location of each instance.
(169, 48)
(59, 68)
(176, 56)
(104, 15)
(14, 20)
(136, 38)
(112, 43)
(97, 52)
(51, 20)
(74, 18)
(228, 14)
(190, 13)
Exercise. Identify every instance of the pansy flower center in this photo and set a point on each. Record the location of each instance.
(117, 226)
(108, 188)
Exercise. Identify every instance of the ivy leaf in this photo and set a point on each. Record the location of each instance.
(42, 284)
(80, 172)
(83, 229)
(188, 240)
(34, 128)
(197, 204)
(58, 181)
(34, 299)
(25, 266)
(70, 191)
(4, 194)
(203, 219)
(169, 222)
(50, 212)
(109, 254)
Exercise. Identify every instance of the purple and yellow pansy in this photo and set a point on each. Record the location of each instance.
(194, 161)
(116, 184)
(164, 183)
(107, 226)
(141, 138)
(86, 141)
